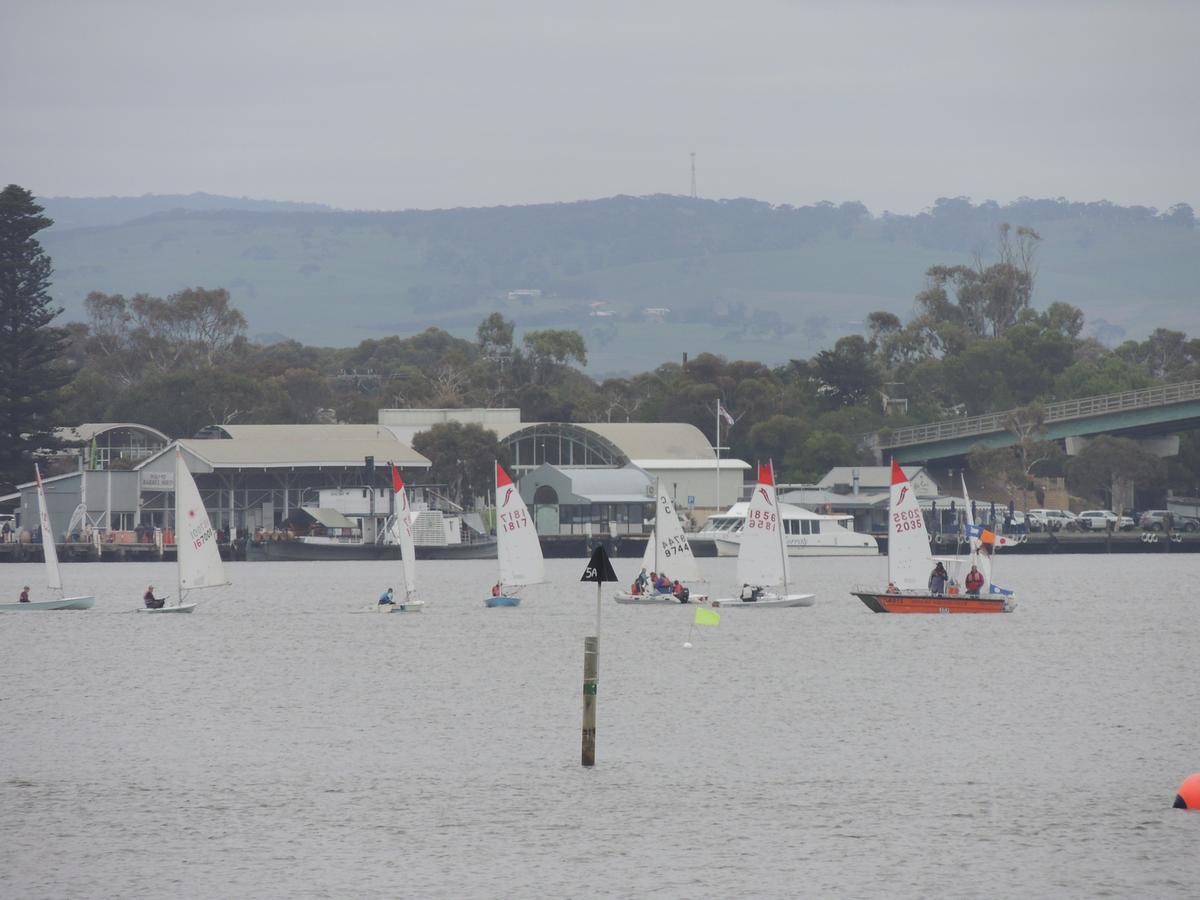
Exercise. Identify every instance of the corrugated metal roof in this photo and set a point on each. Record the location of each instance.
(287, 448)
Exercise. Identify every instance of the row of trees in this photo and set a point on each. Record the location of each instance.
(974, 344)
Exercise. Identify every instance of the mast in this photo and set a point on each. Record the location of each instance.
(779, 514)
(178, 526)
(658, 512)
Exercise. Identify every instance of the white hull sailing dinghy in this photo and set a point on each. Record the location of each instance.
(668, 549)
(402, 532)
(518, 551)
(198, 561)
(762, 556)
(50, 553)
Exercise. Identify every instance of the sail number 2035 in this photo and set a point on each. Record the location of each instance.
(907, 520)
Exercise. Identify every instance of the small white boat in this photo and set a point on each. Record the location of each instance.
(518, 551)
(667, 548)
(63, 603)
(198, 561)
(50, 555)
(762, 559)
(402, 533)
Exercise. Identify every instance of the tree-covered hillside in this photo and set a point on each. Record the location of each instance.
(644, 279)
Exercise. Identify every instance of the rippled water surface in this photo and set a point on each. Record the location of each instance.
(286, 741)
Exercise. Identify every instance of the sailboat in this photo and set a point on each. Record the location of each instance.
(198, 561)
(517, 548)
(50, 554)
(402, 531)
(910, 564)
(762, 555)
(668, 548)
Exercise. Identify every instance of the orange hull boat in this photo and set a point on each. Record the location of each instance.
(929, 603)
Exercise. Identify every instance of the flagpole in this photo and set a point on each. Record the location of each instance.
(718, 448)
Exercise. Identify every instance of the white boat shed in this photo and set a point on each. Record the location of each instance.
(253, 477)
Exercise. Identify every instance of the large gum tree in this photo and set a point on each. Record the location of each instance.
(31, 349)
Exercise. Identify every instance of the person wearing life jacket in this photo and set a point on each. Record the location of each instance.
(663, 584)
(937, 579)
(385, 599)
(151, 601)
(24, 598)
(496, 589)
(974, 581)
(641, 582)
(681, 593)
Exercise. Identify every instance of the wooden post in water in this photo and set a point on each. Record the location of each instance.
(599, 570)
(591, 669)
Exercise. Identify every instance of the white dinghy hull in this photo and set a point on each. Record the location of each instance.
(766, 601)
(181, 608)
(658, 599)
(63, 603)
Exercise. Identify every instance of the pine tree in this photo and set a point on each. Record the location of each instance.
(31, 350)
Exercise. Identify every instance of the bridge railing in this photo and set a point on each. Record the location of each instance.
(1064, 410)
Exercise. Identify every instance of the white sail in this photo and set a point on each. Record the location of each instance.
(909, 559)
(517, 546)
(761, 558)
(49, 549)
(404, 534)
(650, 556)
(977, 558)
(674, 553)
(200, 563)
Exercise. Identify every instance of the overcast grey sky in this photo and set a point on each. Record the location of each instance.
(390, 105)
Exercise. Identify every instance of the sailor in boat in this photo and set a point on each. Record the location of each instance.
(24, 598)
(151, 601)
(681, 593)
(974, 581)
(892, 589)
(750, 593)
(497, 590)
(640, 583)
(385, 599)
(937, 579)
(662, 584)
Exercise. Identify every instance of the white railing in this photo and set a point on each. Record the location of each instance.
(1063, 411)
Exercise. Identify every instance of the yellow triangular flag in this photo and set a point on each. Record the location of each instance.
(707, 616)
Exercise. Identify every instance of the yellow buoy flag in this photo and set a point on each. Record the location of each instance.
(707, 616)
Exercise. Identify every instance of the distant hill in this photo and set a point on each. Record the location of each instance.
(644, 278)
(89, 212)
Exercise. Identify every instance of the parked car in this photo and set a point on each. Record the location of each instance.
(1051, 519)
(1098, 519)
(1156, 520)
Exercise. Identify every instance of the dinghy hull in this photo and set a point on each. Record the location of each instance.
(657, 599)
(502, 600)
(63, 603)
(933, 603)
(766, 601)
(181, 608)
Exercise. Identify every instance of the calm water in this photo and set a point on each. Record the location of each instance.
(285, 742)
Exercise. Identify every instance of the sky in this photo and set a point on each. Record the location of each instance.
(402, 105)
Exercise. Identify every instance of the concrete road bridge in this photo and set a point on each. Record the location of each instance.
(1147, 415)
